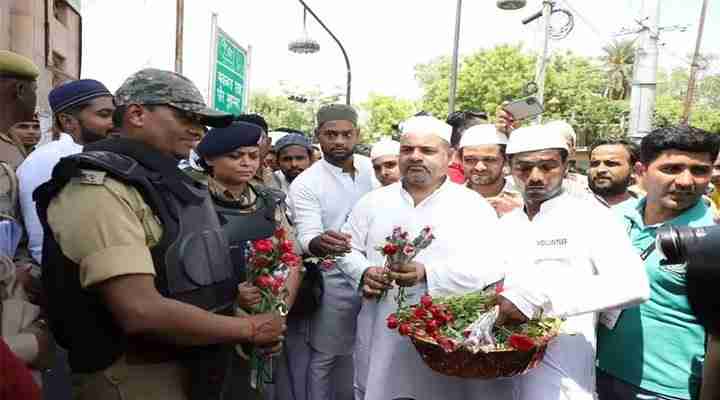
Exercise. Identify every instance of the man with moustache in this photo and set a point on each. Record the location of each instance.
(294, 155)
(321, 199)
(384, 156)
(611, 171)
(19, 129)
(482, 152)
(556, 266)
(83, 114)
(462, 222)
(136, 268)
(656, 350)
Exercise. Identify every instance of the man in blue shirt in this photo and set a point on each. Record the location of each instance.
(656, 350)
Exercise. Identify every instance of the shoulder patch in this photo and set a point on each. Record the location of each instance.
(92, 177)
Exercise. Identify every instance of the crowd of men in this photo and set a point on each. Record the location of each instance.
(125, 234)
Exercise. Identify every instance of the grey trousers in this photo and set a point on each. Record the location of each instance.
(611, 388)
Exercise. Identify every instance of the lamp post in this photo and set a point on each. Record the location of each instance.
(501, 4)
(342, 49)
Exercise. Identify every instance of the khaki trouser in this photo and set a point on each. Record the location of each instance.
(123, 381)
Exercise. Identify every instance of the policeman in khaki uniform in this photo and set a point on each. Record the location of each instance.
(142, 291)
(19, 130)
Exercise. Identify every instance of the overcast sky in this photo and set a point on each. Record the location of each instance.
(385, 39)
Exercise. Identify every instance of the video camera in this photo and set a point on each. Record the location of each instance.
(699, 249)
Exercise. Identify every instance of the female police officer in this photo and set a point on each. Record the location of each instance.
(247, 211)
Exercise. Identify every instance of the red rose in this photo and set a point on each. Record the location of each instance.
(290, 259)
(432, 325)
(280, 233)
(405, 329)
(263, 246)
(390, 249)
(392, 321)
(286, 246)
(419, 313)
(409, 250)
(260, 262)
(264, 281)
(277, 285)
(521, 342)
(426, 301)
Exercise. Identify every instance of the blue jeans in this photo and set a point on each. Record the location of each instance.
(612, 388)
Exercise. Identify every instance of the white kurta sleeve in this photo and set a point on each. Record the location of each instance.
(355, 263)
(30, 176)
(475, 261)
(307, 214)
(620, 279)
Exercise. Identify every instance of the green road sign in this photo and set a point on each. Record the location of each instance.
(230, 64)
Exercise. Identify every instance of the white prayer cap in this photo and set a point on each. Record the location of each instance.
(426, 125)
(563, 128)
(385, 147)
(480, 135)
(535, 138)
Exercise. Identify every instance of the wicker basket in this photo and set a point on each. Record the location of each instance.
(464, 364)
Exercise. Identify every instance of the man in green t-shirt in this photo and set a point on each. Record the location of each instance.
(656, 350)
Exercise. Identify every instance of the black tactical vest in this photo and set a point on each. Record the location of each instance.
(241, 227)
(192, 261)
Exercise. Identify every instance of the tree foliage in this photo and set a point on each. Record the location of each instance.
(382, 113)
(619, 59)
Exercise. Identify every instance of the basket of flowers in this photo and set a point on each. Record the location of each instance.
(457, 336)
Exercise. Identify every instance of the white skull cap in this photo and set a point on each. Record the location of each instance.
(426, 125)
(480, 135)
(385, 147)
(535, 138)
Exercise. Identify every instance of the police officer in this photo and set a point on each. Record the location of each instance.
(248, 211)
(138, 273)
(19, 130)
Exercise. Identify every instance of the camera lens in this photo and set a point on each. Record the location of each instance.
(669, 246)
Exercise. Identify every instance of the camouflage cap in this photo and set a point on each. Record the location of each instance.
(154, 86)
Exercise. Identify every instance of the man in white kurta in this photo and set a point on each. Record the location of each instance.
(568, 257)
(462, 258)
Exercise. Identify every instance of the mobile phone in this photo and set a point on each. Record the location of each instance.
(524, 108)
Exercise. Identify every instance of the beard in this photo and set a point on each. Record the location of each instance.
(484, 180)
(89, 136)
(338, 157)
(613, 189)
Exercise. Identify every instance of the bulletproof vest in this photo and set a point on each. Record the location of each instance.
(241, 226)
(191, 261)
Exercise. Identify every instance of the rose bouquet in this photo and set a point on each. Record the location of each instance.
(269, 262)
(398, 249)
(458, 336)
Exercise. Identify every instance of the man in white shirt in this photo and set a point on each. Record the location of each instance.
(83, 114)
(384, 156)
(322, 197)
(611, 171)
(568, 258)
(465, 229)
(482, 153)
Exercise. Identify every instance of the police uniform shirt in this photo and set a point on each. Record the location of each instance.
(105, 227)
(10, 152)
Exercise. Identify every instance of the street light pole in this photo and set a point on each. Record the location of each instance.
(541, 65)
(455, 56)
(342, 49)
(179, 19)
(642, 97)
(694, 68)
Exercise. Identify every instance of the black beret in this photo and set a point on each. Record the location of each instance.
(219, 141)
